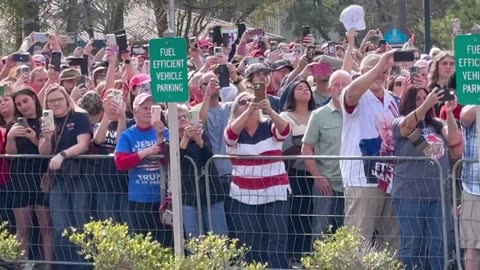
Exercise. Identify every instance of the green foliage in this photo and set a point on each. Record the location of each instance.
(218, 252)
(441, 29)
(348, 250)
(111, 247)
(10, 249)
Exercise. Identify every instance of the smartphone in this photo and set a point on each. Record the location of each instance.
(456, 26)
(448, 94)
(56, 61)
(297, 49)
(99, 43)
(395, 70)
(193, 42)
(40, 37)
(382, 43)
(310, 52)
(74, 61)
(273, 46)
(81, 80)
(140, 50)
(217, 35)
(121, 39)
(289, 57)
(223, 76)
(404, 56)
(260, 93)
(305, 31)
(156, 113)
(226, 40)
(22, 121)
(47, 120)
(258, 32)
(241, 28)
(112, 43)
(69, 39)
(24, 70)
(413, 71)
(332, 49)
(2, 91)
(321, 69)
(251, 61)
(195, 118)
(117, 96)
(218, 51)
(21, 57)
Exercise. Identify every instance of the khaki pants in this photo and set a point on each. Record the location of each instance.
(470, 221)
(371, 210)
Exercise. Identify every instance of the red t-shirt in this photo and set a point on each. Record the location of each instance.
(456, 112)
(4, 164)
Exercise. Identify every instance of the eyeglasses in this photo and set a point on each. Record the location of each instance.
(398, 83)
(57, 100)
(244, 102)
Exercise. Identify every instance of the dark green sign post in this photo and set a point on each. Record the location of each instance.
(168, 70)
(467, 66)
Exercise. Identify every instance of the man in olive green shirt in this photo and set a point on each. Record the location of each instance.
(323, 137)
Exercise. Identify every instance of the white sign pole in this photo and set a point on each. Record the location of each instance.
(175, 174)
(477, 124)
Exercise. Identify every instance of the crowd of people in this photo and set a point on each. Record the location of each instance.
(249, 98)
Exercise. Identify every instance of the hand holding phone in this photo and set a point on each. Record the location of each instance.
(404, 56)
(259, 91)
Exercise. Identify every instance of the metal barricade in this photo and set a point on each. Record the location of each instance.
(87, 187)
(296, 231)
(465, 217)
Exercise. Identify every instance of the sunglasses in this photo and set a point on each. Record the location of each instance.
(398, 83)
(244, 102)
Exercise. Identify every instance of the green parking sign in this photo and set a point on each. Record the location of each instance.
(467, 66)
(168, 70)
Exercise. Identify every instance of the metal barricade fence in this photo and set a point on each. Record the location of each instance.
(87, 187)
(281, 232)
(466, 218)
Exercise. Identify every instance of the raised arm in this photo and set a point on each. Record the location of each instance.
(358, 87)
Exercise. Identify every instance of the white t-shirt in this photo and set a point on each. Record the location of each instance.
(367, 131)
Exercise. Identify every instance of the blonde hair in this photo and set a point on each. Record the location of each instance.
(434, 75)
(71, 106)
(235, 106)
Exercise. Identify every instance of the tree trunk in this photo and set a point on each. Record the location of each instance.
(87, 22)
(161, 18)
(118, 15)
(31, 18)
(72, 17)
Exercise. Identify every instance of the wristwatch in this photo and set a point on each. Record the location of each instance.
(63, 154)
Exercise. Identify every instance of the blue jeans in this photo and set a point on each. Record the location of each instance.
(190, 220)
(327, 211)
(264, 228)
(70, 201)
(113, 205)
(420, 226)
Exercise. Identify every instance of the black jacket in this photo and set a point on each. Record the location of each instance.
(218, 186)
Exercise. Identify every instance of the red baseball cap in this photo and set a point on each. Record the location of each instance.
(138, 79)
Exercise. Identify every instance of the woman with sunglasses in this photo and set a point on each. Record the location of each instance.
(259, 188)
(71, 191)
(395, 84)
(26, 174)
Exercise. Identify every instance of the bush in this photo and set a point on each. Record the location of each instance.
(348, 250)
(111, 247)
(10, 249)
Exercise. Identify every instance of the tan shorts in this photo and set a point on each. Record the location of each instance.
(369, 210)
(470, 221)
